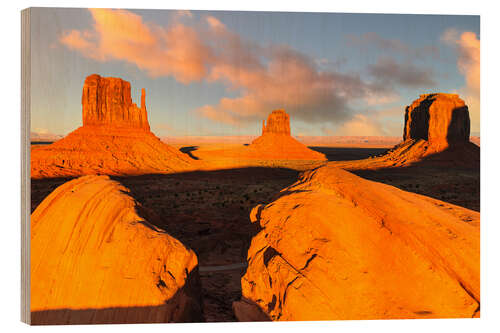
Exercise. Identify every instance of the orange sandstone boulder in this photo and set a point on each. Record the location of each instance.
(96, 258)
(115, 138)
(336, 246)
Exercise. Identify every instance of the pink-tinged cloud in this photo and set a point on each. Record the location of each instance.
(122, 35)
(266, 76)
(468, 63)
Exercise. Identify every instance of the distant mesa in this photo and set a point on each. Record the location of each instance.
(97, 257)
(115, 138)
(334, 246)
(276, 141)
(436, 131)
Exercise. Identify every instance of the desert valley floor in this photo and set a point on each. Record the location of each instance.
(209, 210)
(129, 228)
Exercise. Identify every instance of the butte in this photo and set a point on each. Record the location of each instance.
(436, 133)
(275, 143)
(115, 138)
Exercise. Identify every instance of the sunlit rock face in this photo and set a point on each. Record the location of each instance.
(436, 133)
(96, 257)
(278, 122)
(106, 101)
(335, 246)
(276, 141)
(441, 119)
(115, 138)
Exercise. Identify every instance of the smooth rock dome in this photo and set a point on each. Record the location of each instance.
(334, 246)
(97, 258)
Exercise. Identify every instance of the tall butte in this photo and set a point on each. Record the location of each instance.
(276, 141)
(107, 102)
(115, 138)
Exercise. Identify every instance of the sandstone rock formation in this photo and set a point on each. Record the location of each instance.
(436, 130)
(115, 138)
(96, 258)
(106, 101)
(336, 246)
(441, 119)
(277, 143)
(278, 122)
(275, 146)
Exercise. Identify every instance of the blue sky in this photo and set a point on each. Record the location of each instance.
(221, 73)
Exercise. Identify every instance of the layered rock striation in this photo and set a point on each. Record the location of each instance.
(335, 246)
(115, 138)
(97, 258)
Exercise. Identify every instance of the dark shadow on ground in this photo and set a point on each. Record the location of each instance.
(348, 154)
(188, 150)
(183, 307)
(208, 211)
(452, 176)
(41, 143)
(41, 188)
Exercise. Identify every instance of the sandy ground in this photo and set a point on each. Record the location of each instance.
(208, 211)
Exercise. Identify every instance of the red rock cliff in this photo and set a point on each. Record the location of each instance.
(106, 101)
(441, 119)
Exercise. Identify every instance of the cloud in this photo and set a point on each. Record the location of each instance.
(468, 60)
(215, 23)
(122, 35)
(467, 46)
(360, 125)
(184, 13)
(393, 45)
(266, 77)
(289, 80)
(388, 71)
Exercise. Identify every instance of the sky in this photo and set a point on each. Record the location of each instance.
(221, 72)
